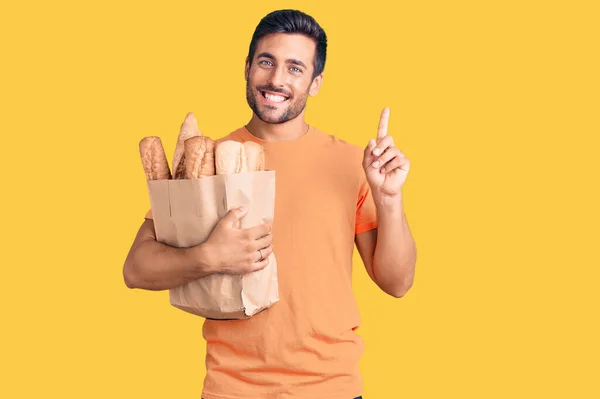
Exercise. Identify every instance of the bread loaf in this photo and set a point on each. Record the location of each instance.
(199, 155)
(189, 129)
(235, 157)
(230, 157)
(154, 159)
(255, 156)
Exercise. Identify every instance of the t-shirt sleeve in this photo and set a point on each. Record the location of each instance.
(366, 213)
(148, 214)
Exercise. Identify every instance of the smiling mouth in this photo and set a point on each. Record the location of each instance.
(275, 98)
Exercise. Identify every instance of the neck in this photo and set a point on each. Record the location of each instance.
(287, 131)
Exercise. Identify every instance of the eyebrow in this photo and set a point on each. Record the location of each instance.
(290, 60)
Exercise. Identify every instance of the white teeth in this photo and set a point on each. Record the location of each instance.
(274, 98)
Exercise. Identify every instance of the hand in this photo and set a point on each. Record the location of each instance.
(385, 166)
(233, 250)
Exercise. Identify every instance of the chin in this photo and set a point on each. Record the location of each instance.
(272, 119)
(272, 116)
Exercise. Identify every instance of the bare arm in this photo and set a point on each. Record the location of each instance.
(155, 266)
(389, 252)
(152, 265)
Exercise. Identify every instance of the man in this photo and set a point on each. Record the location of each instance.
(330, 195)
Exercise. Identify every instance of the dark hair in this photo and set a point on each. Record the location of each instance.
(292, 21)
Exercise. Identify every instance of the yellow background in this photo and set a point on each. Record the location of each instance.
(495, 103)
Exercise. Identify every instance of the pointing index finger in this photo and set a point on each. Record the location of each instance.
(383, 123)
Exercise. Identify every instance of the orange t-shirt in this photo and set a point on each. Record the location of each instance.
(304, 346)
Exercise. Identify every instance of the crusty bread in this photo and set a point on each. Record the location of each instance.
(189, 128)
(255, 156)
(199, 154)
(229, 157)
(234, 157)
(154, 159)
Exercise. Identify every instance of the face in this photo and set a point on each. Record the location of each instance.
(279, 78)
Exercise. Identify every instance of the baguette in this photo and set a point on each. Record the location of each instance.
(154, 159)
(234, 157)
(199, 154)
(189, 129)
(230, 157)
(255, 156)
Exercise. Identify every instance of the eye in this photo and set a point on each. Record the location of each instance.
(296, 69)
(265, 62)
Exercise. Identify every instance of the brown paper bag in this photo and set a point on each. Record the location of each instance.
(185, 211)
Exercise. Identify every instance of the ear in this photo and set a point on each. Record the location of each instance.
(315, 86)
(247, 69)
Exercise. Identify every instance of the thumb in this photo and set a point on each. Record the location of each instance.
(235, 215)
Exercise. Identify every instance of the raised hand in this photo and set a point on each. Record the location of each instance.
(385, 166)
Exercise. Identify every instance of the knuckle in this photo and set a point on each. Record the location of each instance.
(386, 158)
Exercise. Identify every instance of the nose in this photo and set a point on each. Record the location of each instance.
(277, 77)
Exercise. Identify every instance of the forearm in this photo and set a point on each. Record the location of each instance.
(395, 253)
(156, 266)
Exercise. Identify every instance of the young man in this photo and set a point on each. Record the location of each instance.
(330, 195)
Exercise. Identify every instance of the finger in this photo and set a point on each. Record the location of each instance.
(234, 216)
(382, 145)
(259, 265)
(383, 123)
(262, 242)
(372, 144)
(388, 155)
(267, 251)
(261, 254)
(259, 231)
(399, 162)
(368, 153)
